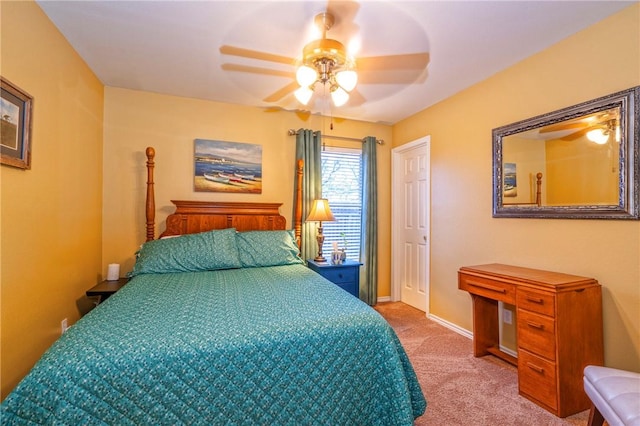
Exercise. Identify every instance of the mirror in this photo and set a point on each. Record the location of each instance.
(579, 162)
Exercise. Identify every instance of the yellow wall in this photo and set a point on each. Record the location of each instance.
(589, 171)
(51, 214)
(135, 120)
(462, 229)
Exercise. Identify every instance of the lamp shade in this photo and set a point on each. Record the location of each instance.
(306, 76)
(347, 79)
(303, 94)
(320, 211)
(339, 96)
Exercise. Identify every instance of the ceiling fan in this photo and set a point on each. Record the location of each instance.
(596, 127)
(325, 63)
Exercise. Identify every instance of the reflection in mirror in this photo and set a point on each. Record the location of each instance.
(578, 159)
(579, 162)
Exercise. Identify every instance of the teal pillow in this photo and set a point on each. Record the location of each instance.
(206, 251)
(267, 248)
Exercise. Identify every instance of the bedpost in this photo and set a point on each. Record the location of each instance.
(298, 208)
(539, 189)
(151, 202)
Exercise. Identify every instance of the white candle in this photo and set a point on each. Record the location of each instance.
(113, 272)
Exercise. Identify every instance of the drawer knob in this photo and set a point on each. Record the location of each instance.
(339, 275)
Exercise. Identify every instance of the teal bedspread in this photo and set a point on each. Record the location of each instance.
(267, 346)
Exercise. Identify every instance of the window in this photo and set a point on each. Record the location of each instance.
(342, 186)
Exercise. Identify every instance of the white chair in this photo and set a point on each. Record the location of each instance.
(614, 394)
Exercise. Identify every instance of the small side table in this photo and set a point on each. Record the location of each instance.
(106, 289)
(345, 275)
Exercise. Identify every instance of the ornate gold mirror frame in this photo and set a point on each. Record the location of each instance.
(580, 162)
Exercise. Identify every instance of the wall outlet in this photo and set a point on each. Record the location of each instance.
(507, 316)
(63, 326)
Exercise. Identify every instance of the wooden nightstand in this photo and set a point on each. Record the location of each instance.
(106, 289)
(345, 275)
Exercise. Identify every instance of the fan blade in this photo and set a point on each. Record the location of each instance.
(394, 62)
(355, 98)
(344, 13)
(257, 70)
(581, 122)
(254, 54)
(281, 93)
(563, 126)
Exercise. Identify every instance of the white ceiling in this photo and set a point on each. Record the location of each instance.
(172, 47)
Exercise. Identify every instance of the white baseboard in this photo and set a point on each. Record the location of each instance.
(451, 326)
(464, 332)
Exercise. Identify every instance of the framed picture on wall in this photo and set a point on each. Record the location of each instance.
(510, 180)
(230, 167)
(15, 125)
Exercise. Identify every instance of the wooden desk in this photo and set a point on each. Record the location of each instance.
(558, 326)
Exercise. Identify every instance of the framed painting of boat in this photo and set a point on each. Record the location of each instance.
(15, 125)
(230, 167)
(510, 181)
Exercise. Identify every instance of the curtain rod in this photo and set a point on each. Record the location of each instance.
(292, 132)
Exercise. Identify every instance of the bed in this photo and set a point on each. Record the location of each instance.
(223, 325)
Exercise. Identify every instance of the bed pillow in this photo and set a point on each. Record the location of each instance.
(206, 251)
(267, 248)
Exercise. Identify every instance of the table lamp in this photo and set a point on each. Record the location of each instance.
(320, 212)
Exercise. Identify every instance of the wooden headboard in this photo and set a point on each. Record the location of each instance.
(201, 216)
(191, 217)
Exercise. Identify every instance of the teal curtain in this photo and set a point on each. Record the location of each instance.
(369, 237)
(309, 149)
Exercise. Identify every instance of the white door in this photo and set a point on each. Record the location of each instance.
(410, 217)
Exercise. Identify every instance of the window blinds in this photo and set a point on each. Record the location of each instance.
(342, 186)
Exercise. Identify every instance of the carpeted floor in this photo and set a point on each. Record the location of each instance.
(461, 389)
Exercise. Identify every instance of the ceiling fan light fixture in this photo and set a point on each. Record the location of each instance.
(339, 96)
(326, 61)
(598, 136)
(324, 48)
(303, 94)
(306, 76)
(347, 79)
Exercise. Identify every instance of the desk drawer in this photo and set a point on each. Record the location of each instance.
(536, 301)
(537, 379)
(491, 289)
(340, 275)
(536, 333)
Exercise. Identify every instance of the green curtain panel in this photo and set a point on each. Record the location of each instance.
(369, 239)
(308, 148)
